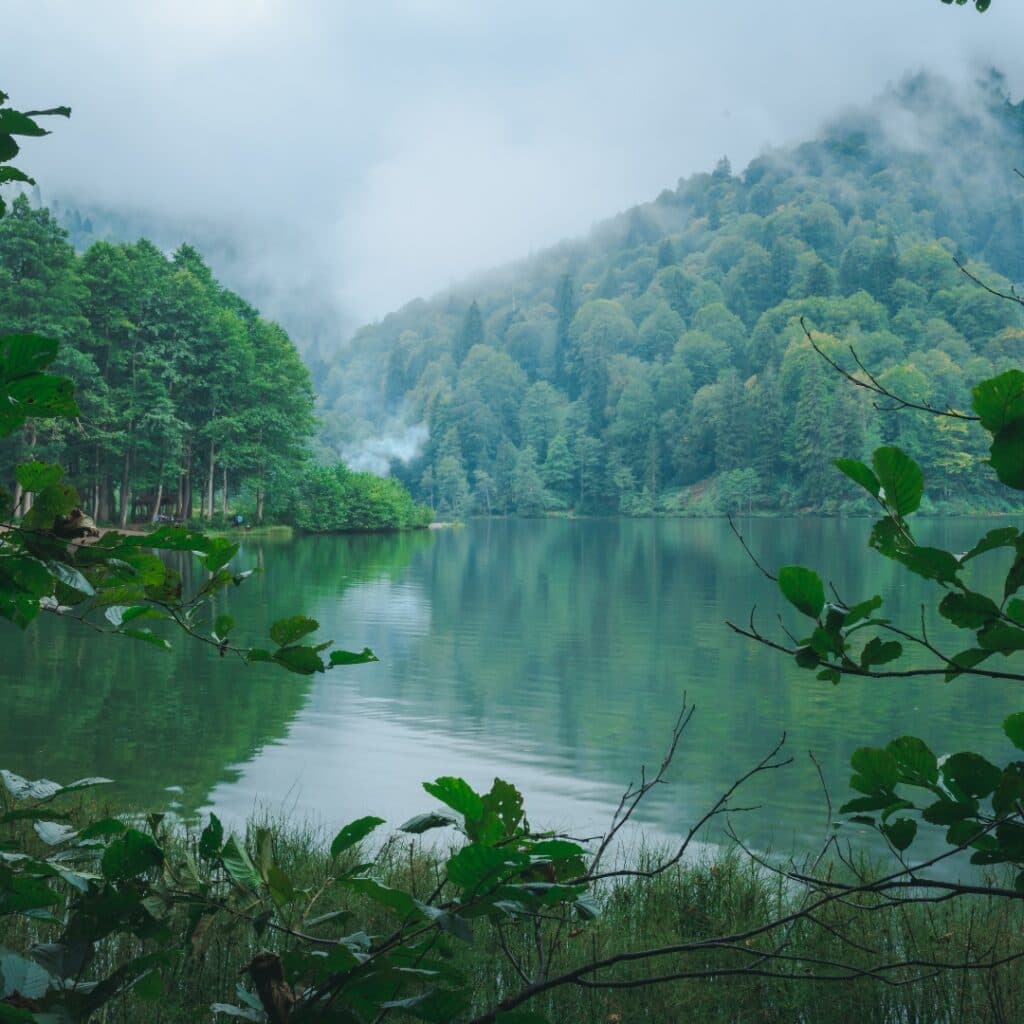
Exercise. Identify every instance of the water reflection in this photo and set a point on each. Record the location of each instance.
(554, 653)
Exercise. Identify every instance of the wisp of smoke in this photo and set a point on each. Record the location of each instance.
(375, 454)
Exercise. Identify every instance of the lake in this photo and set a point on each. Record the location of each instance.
(553, 653)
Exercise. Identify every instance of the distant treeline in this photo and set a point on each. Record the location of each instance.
(660, 365)
(192, 405)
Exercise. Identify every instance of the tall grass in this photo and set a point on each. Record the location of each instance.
(721, 894)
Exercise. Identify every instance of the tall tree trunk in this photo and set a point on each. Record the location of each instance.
(126, 498)
(209, 485)
(224, 492)
(155, 517)
(259, 505)
(27, 496)
(96, 485)
(18, 493)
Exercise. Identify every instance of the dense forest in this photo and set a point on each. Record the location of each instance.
(192, 404)
(651, 366)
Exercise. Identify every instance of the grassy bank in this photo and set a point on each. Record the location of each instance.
(717, 896)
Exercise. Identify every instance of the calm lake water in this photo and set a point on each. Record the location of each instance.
(555, 654)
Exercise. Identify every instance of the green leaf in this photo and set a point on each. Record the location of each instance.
(285, 632)
(968, 610)
(901, 480)
(35, 476)
(963, 832)
(999, 400)
(803, 589)
(917, 764)
(1015, 610)
(557, 849)
(875, 770)
(53, 833)
(238, 864)
(1015, 577)
(218, 553)
(900, 832)
(866, 803)
(1009, 794)
(1004, 537)
(424, 822)
(350, 658)
(862, 610)
(1002, 638)
(354, 832)
(103, 827)
(477, 863)
(41, 395)
(945, 812)
(211, 839)
(223, 625)
(22, 355)
(394, 899)
(975, 776)
(133, 854)
(879, 652)
(70, 577)
(965, 661)
(303, 660)
(930, 563)
(8, 174)
(1006, 455)
(860, 474)
(146, 637)
(1014, 729)
(458, 795)
(13, 122)
(503, 805)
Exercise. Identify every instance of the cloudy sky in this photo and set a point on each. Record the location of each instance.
(381, 150)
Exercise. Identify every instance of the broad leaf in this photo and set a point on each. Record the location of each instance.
(999, 400)
(975, 776)
(354, 832)
(1006, 455)
(860, 474)
(285, 632)
(968, 610)
(875, 770)
(1014, 729)
(457, 794)
(901, 479)
(879, 652)
(803, 589)
(424, 822)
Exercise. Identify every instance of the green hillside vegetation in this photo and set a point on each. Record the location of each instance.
(649, 367)
(192, 405)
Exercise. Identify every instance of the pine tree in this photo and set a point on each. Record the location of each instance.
(470, 333)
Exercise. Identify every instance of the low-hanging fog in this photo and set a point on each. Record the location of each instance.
(341, 158)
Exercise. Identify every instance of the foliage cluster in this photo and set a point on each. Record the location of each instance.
(186, 396)
(183, 389)
(979, 804)
(662, 358)
(329, 498)
(721, 894)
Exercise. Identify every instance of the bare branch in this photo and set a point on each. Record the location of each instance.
(873, 385)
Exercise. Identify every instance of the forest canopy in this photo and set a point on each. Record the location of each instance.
(650, 366)
(191, 403)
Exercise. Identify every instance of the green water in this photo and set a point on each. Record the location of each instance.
(552, 653)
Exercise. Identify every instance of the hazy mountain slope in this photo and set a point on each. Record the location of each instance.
(659, 361)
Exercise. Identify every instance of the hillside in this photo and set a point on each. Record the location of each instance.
(658, 364)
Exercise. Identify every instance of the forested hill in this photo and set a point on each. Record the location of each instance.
(659, 364)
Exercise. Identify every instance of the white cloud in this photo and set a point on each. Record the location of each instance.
(384, 150)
